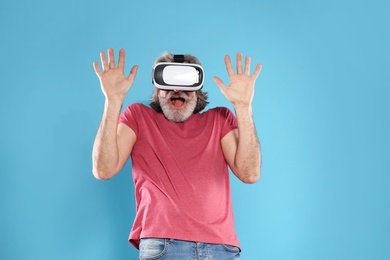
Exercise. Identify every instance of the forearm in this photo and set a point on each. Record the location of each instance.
(105, 150)
(248, 157)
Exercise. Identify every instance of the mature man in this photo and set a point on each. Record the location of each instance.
(180, 159)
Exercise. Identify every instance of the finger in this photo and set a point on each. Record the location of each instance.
(121, 62)
(111, 59)
(257, 71)
(97, 69)
(247, 65)
(229, 67)
(133, 72)
(239, 62)
(104, 61)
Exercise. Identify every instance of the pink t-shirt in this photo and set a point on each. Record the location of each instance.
(180, 175)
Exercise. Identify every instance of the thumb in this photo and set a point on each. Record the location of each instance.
(219, 83)
(133, 72)
(97, 69)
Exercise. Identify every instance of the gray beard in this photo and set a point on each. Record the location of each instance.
(177, 115)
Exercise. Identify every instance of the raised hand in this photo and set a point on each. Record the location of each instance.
(113, 82)
(240, 90)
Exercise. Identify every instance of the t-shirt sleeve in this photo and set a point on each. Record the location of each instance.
(129, 117)
(228, 121)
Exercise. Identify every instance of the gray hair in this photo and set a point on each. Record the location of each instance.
(202, 96)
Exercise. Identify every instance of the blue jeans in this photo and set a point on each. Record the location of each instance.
(165, 249)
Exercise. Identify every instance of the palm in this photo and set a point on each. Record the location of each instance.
(114, 82)
(240, 89)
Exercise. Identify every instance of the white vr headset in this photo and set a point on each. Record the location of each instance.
(178, 75)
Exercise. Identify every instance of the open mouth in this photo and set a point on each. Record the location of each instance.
(177, 101)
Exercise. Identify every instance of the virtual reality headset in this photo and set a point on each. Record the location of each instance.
(178, 75)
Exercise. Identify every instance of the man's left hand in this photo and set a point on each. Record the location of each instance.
(240, 90)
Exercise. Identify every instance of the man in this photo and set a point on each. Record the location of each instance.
(180, 159)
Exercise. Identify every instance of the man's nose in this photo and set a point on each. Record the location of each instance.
(177, 90)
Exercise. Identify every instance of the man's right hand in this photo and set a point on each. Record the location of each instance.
(113, 82)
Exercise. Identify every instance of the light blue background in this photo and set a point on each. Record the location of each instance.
(321, 109)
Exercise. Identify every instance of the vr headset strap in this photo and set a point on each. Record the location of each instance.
(179, 58)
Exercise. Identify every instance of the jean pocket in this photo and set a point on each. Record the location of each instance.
(152, 248)
(232, 249)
